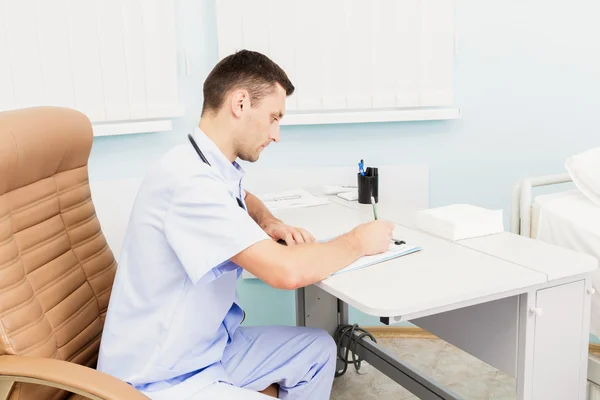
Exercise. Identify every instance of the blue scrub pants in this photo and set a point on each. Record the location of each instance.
(300, 360)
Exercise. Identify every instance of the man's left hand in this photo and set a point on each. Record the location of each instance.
(291, 235)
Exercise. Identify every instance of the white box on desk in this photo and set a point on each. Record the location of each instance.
(460, 221)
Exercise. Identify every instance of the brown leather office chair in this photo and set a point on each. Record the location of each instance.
(56, 269)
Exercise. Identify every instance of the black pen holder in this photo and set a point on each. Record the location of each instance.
(368, 186)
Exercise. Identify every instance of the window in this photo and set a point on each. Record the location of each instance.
(113, 60)
(351, 60)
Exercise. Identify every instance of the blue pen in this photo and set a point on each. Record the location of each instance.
(360, 168)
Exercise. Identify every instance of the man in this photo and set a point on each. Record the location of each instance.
(172, 328)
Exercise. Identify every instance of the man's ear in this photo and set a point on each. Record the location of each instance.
(239, 99)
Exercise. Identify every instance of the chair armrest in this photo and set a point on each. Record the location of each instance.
(64, 375)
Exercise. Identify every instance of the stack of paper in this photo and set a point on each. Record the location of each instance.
(460, 221)
(394, 251)
(291, 199)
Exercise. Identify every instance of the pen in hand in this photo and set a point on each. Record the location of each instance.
(374, 208)
(396, 241)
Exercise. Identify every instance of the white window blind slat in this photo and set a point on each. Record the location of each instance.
(382, 16)
(437, 55)
(333, 49)
(407, 53)
(7, 98)
(54, 52)
(229, 19)
(160, 57)
(24, 53)
(359, 31)
(85, 58)
(255, 25)
(132, 22)
(309, 58)
(112, 60)
(281, 36)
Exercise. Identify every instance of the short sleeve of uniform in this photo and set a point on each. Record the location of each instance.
(205, 226)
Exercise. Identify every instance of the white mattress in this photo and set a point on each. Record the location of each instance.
(571, 220)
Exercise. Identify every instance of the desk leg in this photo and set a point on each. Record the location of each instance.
(300, 307)
(343, 311)
(316, 308)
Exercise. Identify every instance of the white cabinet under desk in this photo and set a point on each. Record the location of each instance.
(559, 341)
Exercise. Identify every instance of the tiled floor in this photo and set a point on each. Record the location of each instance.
(454, 369)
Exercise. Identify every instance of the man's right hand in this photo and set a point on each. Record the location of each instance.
(292, 267)
(374, 237)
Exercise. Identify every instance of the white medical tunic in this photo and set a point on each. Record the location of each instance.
(173, 309)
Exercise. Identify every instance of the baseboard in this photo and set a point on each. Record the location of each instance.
(397, 332)
(413, 332)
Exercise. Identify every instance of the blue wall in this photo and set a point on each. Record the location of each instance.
(527, 80)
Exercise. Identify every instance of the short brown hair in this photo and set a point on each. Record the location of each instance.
(245, 69)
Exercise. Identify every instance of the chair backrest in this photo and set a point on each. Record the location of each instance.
(56, 269)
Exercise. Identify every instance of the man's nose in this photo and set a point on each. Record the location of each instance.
(275, 136)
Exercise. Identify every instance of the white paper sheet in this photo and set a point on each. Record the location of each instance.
(291, 199)
(394, 251)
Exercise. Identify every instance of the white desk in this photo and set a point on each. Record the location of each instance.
(481, 295)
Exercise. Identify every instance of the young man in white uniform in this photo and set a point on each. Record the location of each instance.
(172, 328)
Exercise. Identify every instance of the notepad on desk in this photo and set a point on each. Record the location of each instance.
(394, 251)
(291, 199)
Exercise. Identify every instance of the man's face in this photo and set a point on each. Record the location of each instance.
(260, 125)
